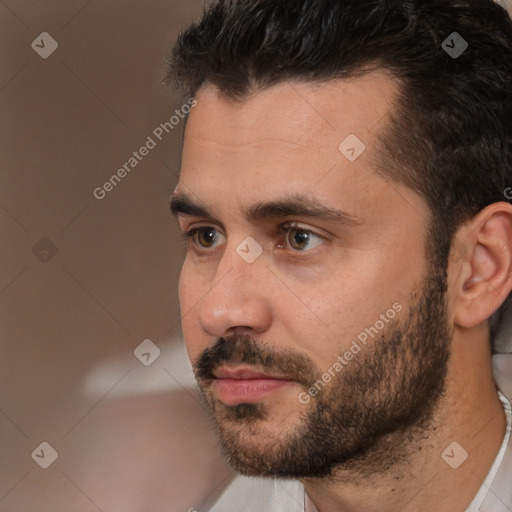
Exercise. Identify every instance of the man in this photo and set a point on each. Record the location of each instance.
(349, 238)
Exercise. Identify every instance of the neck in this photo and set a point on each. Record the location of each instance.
(410, 471)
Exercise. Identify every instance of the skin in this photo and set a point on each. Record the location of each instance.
(314, 302)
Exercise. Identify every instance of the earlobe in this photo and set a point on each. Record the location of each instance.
(485, 274)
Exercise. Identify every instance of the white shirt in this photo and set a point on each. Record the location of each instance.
(272, 495)
(496, 490)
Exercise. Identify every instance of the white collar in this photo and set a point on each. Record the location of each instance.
(495, 494)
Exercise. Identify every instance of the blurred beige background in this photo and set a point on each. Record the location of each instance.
(129, 437)
(83, 281)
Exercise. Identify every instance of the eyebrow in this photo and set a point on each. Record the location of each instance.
(296, 205)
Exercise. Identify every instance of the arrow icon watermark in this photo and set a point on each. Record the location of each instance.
(454, 45)
(249, 250)
(45, 455)
(352, 147)
(44, 45)
(147, 352)
(454, 455)
(44, 249)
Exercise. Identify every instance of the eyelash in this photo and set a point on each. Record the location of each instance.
(283, 229)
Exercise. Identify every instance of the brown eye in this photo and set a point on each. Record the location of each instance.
(205, 235)
(208, 236)
(299, 239)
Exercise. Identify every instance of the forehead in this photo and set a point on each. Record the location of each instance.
(295, 112)
(290, 138)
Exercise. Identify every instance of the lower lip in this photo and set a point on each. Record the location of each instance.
(248, 391)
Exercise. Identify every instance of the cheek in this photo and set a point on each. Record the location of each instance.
(322, 322)
(184, 288)
(332, 316)
(191, 287)
(190, 294)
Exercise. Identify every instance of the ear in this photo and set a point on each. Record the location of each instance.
(483, 273)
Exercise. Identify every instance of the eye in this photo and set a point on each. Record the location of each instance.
(300, 237)
(203, 236)
(195, 234)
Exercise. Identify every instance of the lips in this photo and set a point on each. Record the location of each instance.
(245, 374)
(241, 385)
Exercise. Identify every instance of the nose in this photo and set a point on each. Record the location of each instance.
(238, 300)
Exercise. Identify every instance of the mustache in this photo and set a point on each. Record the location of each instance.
(242, 349)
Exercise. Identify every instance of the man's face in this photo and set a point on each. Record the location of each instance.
(311, 338)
